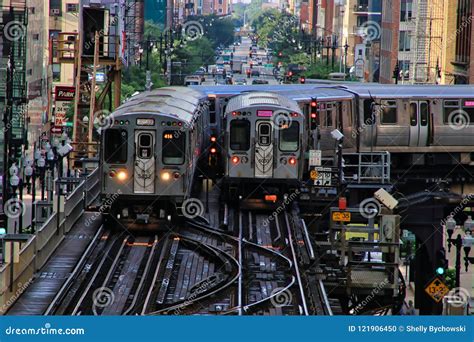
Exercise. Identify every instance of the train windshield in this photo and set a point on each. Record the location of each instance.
(240, 135)
(115, 143)
(173, 147)
(289, 137)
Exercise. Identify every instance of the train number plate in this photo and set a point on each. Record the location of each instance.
(341, 216)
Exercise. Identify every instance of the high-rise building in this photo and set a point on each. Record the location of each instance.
(463, 63)
(412, 38)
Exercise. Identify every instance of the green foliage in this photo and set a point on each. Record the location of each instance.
(450, 278)
(219, 30)
(152, 29)
(319, 70)
(195, 54)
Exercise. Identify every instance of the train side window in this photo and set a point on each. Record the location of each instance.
(450, 106)
(424, 113)
(240, 135)
(289, 138)
(369, 117)
(115, 146)
(413, 114)
(388, 113)
(174, 147)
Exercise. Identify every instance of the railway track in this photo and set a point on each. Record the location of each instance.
(110, 278)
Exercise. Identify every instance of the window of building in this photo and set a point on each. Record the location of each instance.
(56, 72)
(388, 112)
(72, 8)
(221, 2)
(361, 20)
(406, 10)
(220, 10)
(404, 41)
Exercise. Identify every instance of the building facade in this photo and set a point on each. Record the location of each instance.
(463, 64)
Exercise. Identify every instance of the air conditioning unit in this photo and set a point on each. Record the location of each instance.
(54, 11)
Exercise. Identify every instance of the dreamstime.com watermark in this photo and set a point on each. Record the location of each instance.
(459, 208)
(21, 289)
(109, 200)
(282, 207)
(203, 287)
(370, 297)
(46, 330)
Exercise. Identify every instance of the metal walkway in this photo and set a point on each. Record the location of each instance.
(39, 295)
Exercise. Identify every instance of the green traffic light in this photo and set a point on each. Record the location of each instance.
(440, 270)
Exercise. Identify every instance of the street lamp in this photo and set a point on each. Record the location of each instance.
(459, 242)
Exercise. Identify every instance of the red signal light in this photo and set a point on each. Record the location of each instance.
(313, 116)
(314, 103)
(213, 139)
(292, 161)
(213, 150)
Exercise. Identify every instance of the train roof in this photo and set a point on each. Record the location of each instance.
(261, 98)
(327, 93)
(237, 89)
(179, 102)
(411, 91)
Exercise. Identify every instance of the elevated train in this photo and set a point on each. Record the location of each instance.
(151, 153)
(264, 145)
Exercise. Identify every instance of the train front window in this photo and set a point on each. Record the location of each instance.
(388, 112)
(115, 146)
(173, 147)
(240, 135)
(289, 137)
(145, 146)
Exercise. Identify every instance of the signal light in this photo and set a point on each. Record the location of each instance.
(235, 160)
(280, 54)
(213, 139)
(302, 80)
(314, 114)
(271, 198)
(441, 262)
(290, 73)
(213, 150)
(292, 161)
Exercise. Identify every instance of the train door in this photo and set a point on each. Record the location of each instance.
(264, 150)
(419, 123)
(144, 169)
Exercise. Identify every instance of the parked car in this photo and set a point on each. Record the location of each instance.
(259, 82)
(255, 73)
(240, 81)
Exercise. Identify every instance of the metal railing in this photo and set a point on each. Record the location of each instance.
(56, 220)
(371, 167)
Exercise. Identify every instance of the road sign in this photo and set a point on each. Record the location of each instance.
(341, 216)
(437, 289)
(313, 174)
(314, 157)
(57, 130)
(324, 176)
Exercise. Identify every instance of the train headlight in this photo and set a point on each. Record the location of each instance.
(235, 160)
(283, 161)
(165, 176)
(112, 174)
(292, 161)
(176, 175)
(122, 175)
(245, 160)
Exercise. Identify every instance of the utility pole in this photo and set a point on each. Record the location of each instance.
(93, 85)
(7, 118)
(148, 72)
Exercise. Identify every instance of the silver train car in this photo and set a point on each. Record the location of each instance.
(150, 154)
(416, 124)
(264, 146)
